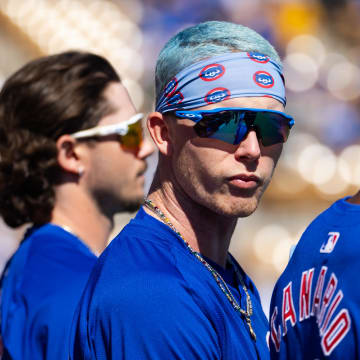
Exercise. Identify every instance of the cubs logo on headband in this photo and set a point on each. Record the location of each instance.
(217, 95)
(232, 75)
(263, 79)
(212, 72)
(171, 87)
(260, 58)
(176, 99)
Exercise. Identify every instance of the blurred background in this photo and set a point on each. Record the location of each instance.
(319, 42)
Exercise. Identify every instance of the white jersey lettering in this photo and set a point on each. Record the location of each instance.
(305, 294)
(323, 307)
(288, 310)
(336, 331)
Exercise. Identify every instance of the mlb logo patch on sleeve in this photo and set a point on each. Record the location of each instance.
(328, 246)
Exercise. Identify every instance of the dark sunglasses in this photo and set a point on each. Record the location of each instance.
(233, 124)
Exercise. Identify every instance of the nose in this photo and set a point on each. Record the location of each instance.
(146, 149)
(249, 148)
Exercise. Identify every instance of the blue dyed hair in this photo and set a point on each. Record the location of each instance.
(205, 40)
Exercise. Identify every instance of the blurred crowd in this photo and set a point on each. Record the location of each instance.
(319, 41)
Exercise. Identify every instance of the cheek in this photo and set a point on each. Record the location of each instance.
(194, 169)
(275, 152)
(184, 161)
(111, 163)
(269, 158)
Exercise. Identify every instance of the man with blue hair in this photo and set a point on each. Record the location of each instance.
(167, 287)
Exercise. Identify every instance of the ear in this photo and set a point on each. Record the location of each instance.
(69, 156)
(160, 132)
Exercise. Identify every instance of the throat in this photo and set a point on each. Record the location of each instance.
(206, 234)
(221, 283)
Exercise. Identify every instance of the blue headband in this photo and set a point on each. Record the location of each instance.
(223, 77)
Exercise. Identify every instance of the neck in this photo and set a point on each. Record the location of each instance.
(78, 212)
(354, 199)
(206, 231)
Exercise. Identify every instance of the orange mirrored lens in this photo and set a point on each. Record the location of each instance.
(134, 137)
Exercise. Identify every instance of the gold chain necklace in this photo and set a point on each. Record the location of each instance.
(218, 278)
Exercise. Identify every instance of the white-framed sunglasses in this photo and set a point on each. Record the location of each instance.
(129, 132)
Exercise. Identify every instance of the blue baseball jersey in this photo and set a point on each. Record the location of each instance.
(315, 307)
(41, 288)
(150, 298)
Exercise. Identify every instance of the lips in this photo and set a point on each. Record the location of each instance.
(244, 177)
(245, 181)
